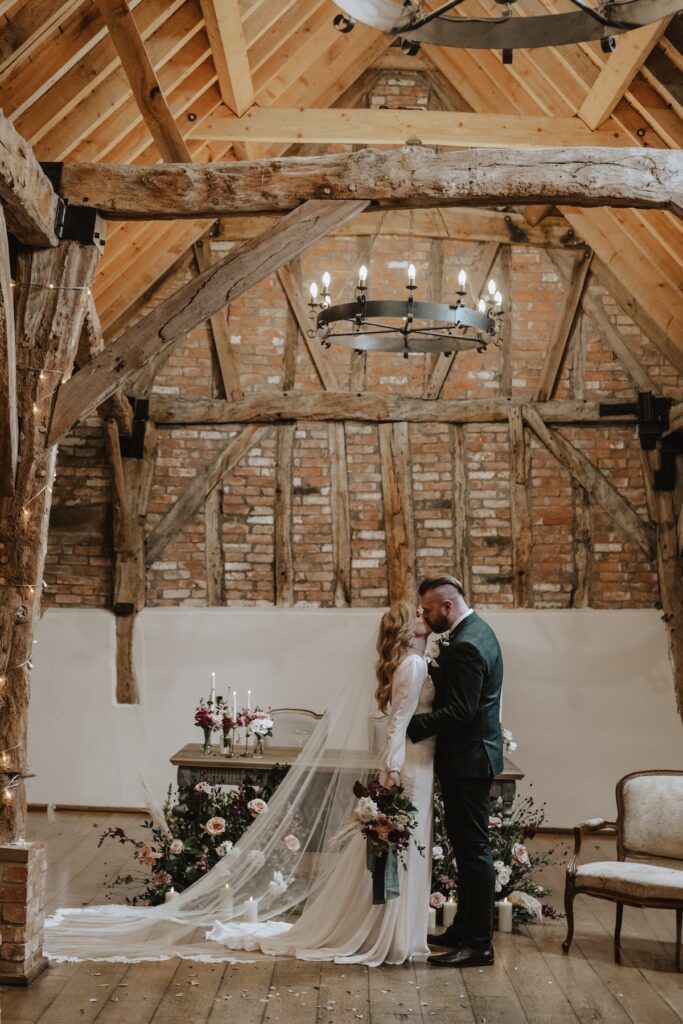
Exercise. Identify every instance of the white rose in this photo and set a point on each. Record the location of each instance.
(437, 852)
(257, 806)
(366, 809)
(278, 884)
(202, 787)
(177, 846)
(292, 843)
(224, 848)
(256, 858)
(437, 900)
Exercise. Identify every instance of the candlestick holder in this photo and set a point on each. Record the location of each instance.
(247, 734)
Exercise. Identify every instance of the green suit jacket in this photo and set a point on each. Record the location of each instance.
(468, 680)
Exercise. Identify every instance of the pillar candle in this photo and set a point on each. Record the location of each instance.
(251, 910)
(432, 919)
(213, 691)
(171, 895)
(227, 902)
(234, 705)
(504, 916)
(450, 909)
(248, 700)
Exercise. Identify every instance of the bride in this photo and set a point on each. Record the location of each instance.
(303, 852)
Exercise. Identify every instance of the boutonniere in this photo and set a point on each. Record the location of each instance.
(444, 640)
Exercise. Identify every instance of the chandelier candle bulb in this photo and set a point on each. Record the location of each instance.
(492, 287)
(314, 291)
(362, 276)
(251, 910)
(326, 279)
(411, 275)
(482, 306)
(498, 299)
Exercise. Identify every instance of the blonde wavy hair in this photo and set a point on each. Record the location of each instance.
(394, 640)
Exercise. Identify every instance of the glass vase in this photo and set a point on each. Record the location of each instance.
(208, 747)
(227, 743)
(258, 749)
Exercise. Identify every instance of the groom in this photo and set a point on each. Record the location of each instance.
(469, 751)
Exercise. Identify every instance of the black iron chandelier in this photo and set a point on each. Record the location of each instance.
(406, 325)
(414, 24)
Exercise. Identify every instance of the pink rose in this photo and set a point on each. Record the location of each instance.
(202, 787)
(162, 878)
(257, 806)
(292, 843)
(521, 854)
(215, 826)
(495, 821)
(177, 846)
(148, 856)
(437, 900)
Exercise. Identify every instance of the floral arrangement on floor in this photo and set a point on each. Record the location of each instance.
(202, 824)
(512, 860)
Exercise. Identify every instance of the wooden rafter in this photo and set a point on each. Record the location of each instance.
(520, 514)
(618, 72)
(143, 80)
(399, 526)
(408, 177)
(395, 127)
(282, 544)
(330, 406)
(224, 27)
(191, 304)
(562, 328)
(593, 482)
(225, 353)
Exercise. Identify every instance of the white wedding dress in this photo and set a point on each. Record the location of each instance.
(340, 922)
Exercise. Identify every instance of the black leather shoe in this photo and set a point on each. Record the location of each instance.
(463, 956)
(448, 939)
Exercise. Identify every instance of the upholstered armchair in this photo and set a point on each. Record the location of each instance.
(649, 826)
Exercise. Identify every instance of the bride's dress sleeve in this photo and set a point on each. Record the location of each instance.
(408, 682)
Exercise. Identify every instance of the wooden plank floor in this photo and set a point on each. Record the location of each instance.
(531, 983)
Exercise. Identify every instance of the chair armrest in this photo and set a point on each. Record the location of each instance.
(591, 826)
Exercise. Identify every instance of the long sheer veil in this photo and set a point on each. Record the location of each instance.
(313, 803)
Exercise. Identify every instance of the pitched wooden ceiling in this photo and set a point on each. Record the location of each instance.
(65, 82)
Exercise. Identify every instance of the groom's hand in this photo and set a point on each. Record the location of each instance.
(413, 730)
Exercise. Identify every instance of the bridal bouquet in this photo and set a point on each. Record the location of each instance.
(387, 819)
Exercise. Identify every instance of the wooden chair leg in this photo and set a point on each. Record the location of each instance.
(617, 933)
(569, 894)
(679, 929)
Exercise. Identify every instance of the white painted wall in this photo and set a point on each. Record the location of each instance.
(588, 694)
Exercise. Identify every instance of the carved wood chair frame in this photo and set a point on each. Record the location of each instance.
(599, 825)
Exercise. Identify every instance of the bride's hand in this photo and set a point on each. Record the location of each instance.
(392, 779)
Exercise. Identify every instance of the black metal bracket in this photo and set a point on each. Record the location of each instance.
(123, 608)
(652, 412)
(74, 223)
(133, 447)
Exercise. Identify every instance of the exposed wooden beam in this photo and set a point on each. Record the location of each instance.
(25, 27)
(618, 71)
(90, 344)
(282, 544)
(225, 353)
(582, 547)
(409, 177)
(302, 314)
(399, 525)
(460, 505)
(9, 424)
(194, 496)
(461, 224)
(213, 532)
(223, 20)
(519, 505)
(562, 328)
(594, 483)
(394, 127)
(330, 406)
(29, 201)
(143, 80)
(444, 361)
(340, 515)
(191, 304)
(621, 344)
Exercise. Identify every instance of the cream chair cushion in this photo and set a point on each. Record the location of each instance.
(630, 878)
(653, 816)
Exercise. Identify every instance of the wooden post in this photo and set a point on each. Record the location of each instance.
(562, 329)
(340, 512)
(505, 286)
(9, 427)
(131, 486)
(51, 299)
(461, 555)
(213, 531)
(521, 519)
(399, 526)
(284, 467)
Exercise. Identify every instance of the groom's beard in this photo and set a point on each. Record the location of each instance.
(439, 624)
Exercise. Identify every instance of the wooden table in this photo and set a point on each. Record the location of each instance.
(194, 766)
